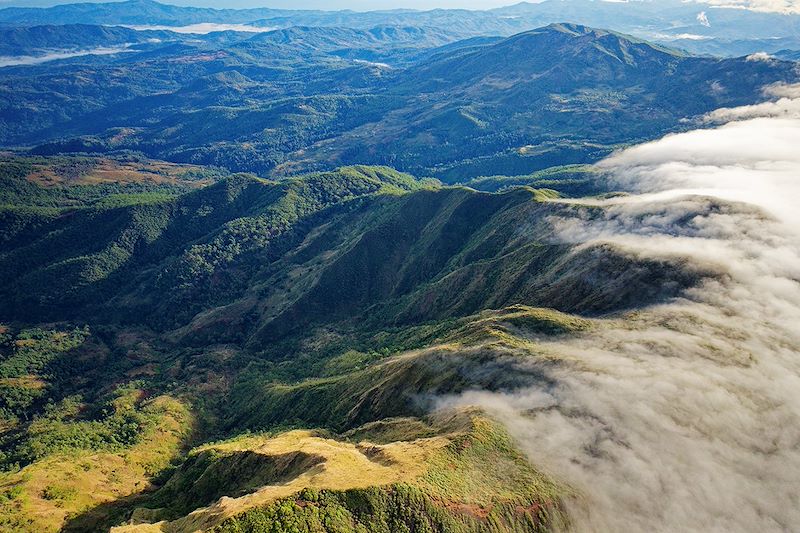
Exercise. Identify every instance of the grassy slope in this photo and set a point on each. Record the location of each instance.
(47, 493)
(436, 359)
(462, 475)
(453, 479)
(468, 478)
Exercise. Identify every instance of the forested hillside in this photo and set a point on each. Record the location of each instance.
(197, 314)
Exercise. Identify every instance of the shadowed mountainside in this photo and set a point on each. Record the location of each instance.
(250, 261)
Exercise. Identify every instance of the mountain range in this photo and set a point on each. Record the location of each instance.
(302, 99)
(694, 26)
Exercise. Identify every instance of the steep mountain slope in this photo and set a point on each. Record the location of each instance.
(254, 261)
(550, 52)
(233, 212)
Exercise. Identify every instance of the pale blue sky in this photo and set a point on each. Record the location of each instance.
(360, 5)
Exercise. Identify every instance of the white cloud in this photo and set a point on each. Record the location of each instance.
(759, 56)
(780, 6)
(203, 28)
(9, 61)
(783, 90)
(691, 37)
(787, 105)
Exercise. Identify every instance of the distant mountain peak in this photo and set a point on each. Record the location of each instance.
(558, 56)
(572, 28)
(617, 44)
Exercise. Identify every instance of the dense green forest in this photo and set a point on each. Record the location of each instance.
(215, 306)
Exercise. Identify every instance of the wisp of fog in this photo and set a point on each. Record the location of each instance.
(685, 416)
(12, 61)
(201, 28)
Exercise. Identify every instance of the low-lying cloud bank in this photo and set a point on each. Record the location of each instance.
(686, 416)
(10, 61)
(203, 28)
(780, 6)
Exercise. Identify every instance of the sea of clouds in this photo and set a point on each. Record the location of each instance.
(685, 416)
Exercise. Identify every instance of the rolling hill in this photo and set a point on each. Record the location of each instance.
(557, 95)
(134, 12)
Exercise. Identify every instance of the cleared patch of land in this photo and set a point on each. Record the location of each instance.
(77, 170)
